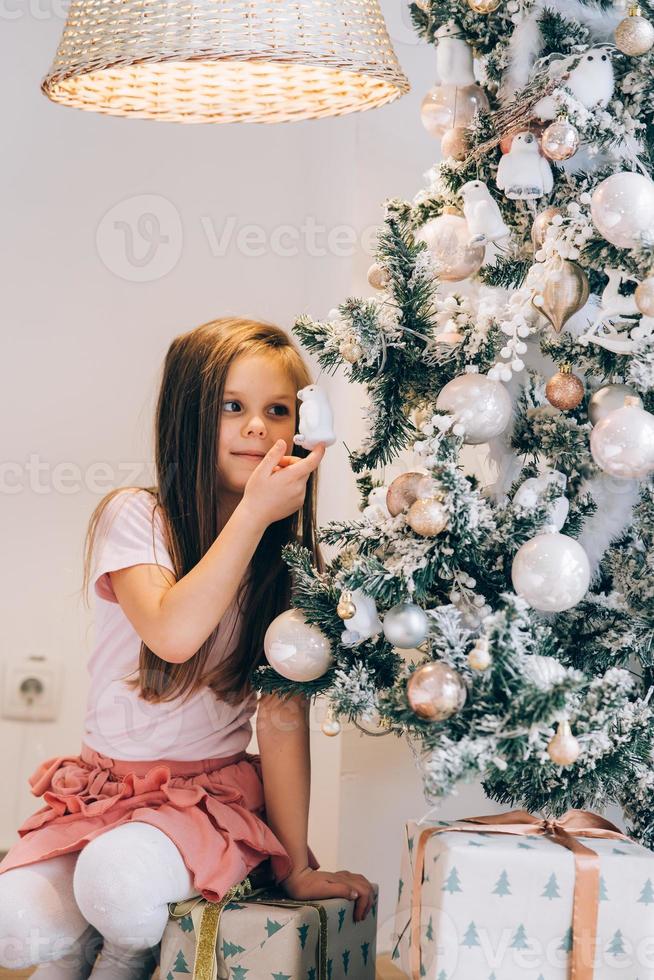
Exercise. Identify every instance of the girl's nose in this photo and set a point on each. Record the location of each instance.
(256, 425)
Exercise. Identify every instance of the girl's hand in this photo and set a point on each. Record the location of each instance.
(277, 486)
(312, 884)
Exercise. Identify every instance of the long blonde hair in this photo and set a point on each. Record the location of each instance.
(188, 497)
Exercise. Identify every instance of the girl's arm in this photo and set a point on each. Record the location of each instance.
(175, 618)
(283, 740)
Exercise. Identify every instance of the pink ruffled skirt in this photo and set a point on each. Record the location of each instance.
(212, 809)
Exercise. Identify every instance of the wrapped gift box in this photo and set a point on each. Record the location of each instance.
(271, 936)
(500, 907)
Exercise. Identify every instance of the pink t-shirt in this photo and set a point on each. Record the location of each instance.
(118, 722)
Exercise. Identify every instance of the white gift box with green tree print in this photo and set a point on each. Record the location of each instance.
(499, 907)
(270, 937)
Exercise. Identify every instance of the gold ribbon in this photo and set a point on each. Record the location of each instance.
(206, 921)
(587, 873)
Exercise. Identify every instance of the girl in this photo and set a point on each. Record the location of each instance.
(164, 802)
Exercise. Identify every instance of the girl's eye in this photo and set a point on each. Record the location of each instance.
(234, 402)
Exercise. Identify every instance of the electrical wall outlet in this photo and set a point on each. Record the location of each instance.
(31, 688)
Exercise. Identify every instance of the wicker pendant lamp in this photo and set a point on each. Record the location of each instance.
(225, 60)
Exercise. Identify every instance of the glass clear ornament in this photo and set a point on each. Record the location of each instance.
(560, 140)
(448, 240)
(436, 691)
(447, 106)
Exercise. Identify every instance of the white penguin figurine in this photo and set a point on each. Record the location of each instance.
(481, 211)
(316, 423)
(592, 82)
(453, 56)
(523, 173)
(365, 623)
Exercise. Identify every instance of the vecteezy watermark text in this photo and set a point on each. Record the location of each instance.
(141, 238)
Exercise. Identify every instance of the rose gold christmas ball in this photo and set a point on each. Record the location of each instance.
(564, 390)
(402, 492)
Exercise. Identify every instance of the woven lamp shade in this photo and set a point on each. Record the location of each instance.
(225, 60)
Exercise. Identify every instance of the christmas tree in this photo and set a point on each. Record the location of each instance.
(512, 309)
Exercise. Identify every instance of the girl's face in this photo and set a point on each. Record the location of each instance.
(258, 409)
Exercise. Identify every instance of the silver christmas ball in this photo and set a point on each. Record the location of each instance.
(551, 572)
(634, 35)
(480, 405)
(405, 625)
(295, 648)
(622, 443)
(608, 398)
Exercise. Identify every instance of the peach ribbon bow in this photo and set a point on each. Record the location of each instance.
(587, 872)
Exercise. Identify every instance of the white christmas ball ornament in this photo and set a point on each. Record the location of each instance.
(622, 208)
(551, 572)
(296, 649)
(622, 443)
(405, 625)
(481, 406)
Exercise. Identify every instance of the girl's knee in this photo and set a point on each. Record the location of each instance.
(38, 921)
(113, 894)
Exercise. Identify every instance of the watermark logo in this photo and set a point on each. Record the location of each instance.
(141, 238)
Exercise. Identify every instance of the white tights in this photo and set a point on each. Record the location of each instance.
(54, 914)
